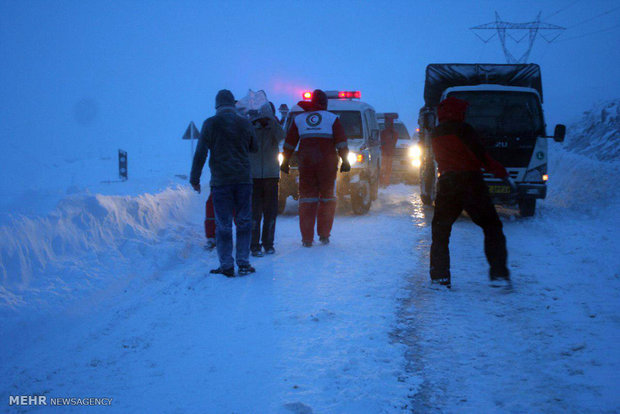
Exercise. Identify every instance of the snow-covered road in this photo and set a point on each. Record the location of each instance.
(349, 327)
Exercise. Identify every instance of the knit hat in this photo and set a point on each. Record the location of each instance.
(452, 109)
(224, 98)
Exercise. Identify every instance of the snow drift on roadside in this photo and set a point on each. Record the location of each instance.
(584, 174)
(597, 133)
(68, 248)
(582, 184)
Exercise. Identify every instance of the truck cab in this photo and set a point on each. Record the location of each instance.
(505, 108)
(361, 184)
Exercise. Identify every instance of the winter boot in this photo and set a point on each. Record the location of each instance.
(306, 243)
(246, 269)
(500, 278)
(270, 250)
(443, 281)
(257, 253)
(226, 272)
(324, 240)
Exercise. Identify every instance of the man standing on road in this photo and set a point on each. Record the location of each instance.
(265, 175)
(460, 156)
(321, 139)
(388, 144)
(230, 138)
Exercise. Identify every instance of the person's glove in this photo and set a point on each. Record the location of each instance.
(345, 167)
(284, 167)
(196, 187)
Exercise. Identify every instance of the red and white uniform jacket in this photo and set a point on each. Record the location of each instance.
(320, 136)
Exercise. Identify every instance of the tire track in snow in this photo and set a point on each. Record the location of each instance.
(539, 348)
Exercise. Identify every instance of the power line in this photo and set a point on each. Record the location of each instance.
(591, 33)
(533, 29)
(595, 17)
(562, 9)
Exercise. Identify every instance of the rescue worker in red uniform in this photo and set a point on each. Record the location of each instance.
(321, 140)
(460, 156)
(388, 144)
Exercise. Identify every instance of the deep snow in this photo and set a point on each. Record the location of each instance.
(110, 296)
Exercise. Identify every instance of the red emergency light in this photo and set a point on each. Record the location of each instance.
(349, 95)
(307, 96)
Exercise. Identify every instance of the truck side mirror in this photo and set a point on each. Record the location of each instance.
(559, 133)
(427, 120)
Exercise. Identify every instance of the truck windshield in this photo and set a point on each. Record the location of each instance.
(351, 122)
(503, 113)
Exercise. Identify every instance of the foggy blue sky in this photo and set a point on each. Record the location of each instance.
(99, 74)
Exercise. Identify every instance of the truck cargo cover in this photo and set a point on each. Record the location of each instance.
(441, 76)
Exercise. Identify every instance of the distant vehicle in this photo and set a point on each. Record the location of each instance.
(505, 107)
(407, 154)
(361, 184)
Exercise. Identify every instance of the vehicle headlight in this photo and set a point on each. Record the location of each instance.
(415, 153)
(352, 158)
(533, 175)
(280, 158)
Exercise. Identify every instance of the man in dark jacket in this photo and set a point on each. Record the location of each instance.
(230, 138)
(388, 144)
(460, 156)
(321, 140)
(265, 174)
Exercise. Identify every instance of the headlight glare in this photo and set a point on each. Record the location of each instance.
(415, 151)
(352, 158)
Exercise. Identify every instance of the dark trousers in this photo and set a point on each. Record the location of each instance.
(233, 200)
(265, 209)
(209, 219)
(466, 191)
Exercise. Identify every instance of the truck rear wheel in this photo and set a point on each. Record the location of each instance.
(360, 197)
(527, 207)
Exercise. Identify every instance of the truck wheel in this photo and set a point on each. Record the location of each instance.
(281, 204)
(426, 199)
(428, 185)
(527, 207)
(360, 198)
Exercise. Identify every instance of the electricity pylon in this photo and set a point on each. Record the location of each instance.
(549, 32)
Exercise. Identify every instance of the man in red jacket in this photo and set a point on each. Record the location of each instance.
(460, 156)
(321, 139)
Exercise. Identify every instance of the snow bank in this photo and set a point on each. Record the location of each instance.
(597, 133)
(584, 174)
(59, 252)
(582, 184)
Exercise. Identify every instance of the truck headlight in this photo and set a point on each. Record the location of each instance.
(415, 153)
(280, 158)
